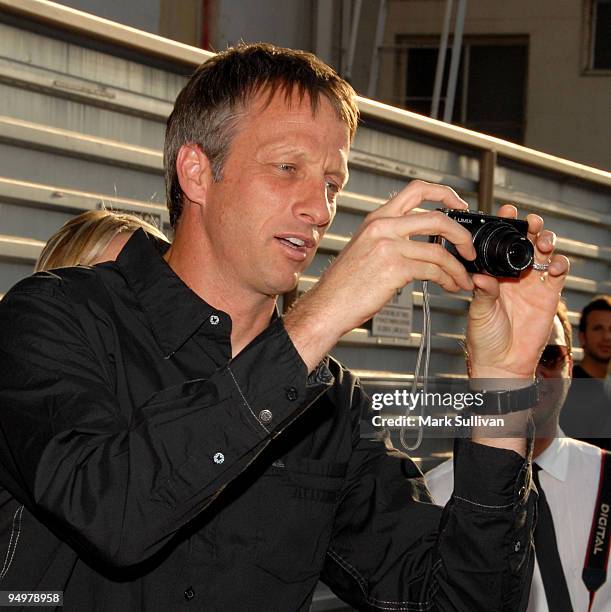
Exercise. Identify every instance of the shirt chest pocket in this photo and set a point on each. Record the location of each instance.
(282, 524)
(295, 528)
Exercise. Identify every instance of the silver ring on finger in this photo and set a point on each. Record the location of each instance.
(541, 267)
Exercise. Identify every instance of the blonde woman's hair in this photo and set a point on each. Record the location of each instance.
(82, 239)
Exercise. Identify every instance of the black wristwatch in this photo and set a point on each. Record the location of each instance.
(505, 401)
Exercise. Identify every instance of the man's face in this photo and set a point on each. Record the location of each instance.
(596, 340)
(277, 196)
(554, 372)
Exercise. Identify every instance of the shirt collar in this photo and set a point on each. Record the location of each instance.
(174, 311)
(555, 458)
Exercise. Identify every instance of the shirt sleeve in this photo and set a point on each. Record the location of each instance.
(118, 481)
(393, 549)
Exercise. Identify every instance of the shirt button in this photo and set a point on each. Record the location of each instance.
(517, 546)
(214, 320)
(189, 593)
(265, 416)
(219, 458)
(291, 394)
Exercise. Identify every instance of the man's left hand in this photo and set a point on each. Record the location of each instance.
(510, 319)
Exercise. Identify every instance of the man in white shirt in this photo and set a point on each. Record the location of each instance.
(569, 476)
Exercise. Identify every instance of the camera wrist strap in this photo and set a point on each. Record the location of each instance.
(424, 355)
(597, 555)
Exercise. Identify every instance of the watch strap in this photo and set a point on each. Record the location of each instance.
(504, 401)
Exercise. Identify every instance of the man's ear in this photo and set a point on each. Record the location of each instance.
(582, 339)
(194, 172)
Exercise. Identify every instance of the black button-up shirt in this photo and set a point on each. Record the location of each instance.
(144, 469)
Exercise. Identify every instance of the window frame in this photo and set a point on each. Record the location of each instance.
(588, 40)
(405, 42)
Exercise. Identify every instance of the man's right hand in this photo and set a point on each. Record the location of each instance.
(378, 260)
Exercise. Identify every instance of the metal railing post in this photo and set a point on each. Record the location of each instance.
(485, 190)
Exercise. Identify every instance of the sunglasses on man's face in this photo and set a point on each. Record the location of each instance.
(554, 356)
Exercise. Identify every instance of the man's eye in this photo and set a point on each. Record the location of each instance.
(286, 167)
(332, 187)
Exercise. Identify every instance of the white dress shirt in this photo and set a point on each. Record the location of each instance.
(570, 472)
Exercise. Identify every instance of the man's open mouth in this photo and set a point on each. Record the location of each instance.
(295, 243)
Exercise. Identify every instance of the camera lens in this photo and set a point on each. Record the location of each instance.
(502, 249)
(519, 255)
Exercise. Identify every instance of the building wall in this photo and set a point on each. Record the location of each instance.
(567, 110)
(182, 20)
(141, 15)
(287, 23)
(176, 19)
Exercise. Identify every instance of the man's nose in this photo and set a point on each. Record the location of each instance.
(313, 204)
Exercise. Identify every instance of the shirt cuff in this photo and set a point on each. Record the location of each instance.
(490, 477)
(272, 380)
